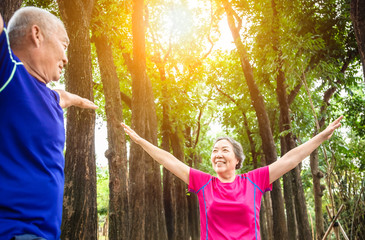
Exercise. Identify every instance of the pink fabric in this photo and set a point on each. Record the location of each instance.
(230, 210)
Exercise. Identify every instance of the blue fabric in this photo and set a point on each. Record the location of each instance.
(27, 237)
(32, 138)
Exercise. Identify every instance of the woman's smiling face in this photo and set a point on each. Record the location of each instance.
(223, 158)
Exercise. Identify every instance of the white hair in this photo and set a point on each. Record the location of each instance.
(24, 18)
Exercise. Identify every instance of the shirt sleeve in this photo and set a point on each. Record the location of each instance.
(261, 178)
(56, 96)
(197, 180)
(7, 63)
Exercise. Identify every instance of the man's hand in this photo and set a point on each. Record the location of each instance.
(69, 99)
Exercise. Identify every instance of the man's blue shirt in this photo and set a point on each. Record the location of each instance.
(32, 138)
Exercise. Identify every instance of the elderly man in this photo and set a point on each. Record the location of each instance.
(32, 135)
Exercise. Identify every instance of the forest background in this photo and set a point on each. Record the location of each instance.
(269, 73)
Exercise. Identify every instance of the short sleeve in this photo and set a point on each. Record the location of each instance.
(56, 96)
(8, 63)
(197, 180)
(261, 178)
(5, 62)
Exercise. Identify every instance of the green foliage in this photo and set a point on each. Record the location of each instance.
(102, 183)
(354, 112)
(49, 5)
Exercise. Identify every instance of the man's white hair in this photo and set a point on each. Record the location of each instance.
(24, 18)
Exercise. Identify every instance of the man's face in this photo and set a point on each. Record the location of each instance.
(54, 54)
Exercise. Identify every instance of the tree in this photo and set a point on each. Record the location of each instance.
(358, 21)
(268, 144)
(8, 7)
(79, 210)
(116, 153)
(146, 208)
(293, 190)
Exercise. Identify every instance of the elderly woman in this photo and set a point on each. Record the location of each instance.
(229, 203)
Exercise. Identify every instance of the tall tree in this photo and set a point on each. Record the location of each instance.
(79, 210)
(116, 153)
(169, 196)
(193, 204)
(358, 21)
(180, 189)
(147, 213)
(8, 7)
(169, 180)
(291, 191)
(268, 144)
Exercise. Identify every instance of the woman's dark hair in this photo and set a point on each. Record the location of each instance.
(237, 149)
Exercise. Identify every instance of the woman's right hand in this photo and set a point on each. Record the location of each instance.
(131, 133)
(166, 159)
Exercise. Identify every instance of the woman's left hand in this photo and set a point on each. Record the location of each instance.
(327, 133)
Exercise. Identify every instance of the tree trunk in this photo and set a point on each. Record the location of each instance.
(116, 153)
(269, 216)
(317, 175)
(289, 204)
(180, 191)
(287, 143)
(357, 14)
(146, 207)
(170, 203)
(304, 229)
(268, 145)
(169, 195)
(264, 230)
(8, 7)
(79, 209)
(284, 125)
(193, 204)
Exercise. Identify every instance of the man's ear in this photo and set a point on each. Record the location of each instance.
(36, 35)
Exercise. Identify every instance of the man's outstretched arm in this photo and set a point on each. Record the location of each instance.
(69, 99)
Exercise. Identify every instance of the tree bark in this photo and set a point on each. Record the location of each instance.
(269, 216)
(287, 143)
(284, 125)
(357, 14)
(147, 214)
(268, 145)
(116, 153)
(79, 209)
(317, 175)
(193, 204)
(170, 202)
(169, 189)
(299, 209)
(180, 191)
(8, 7)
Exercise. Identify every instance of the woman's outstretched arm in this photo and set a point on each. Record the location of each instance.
(171, 163)
(292, 158)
